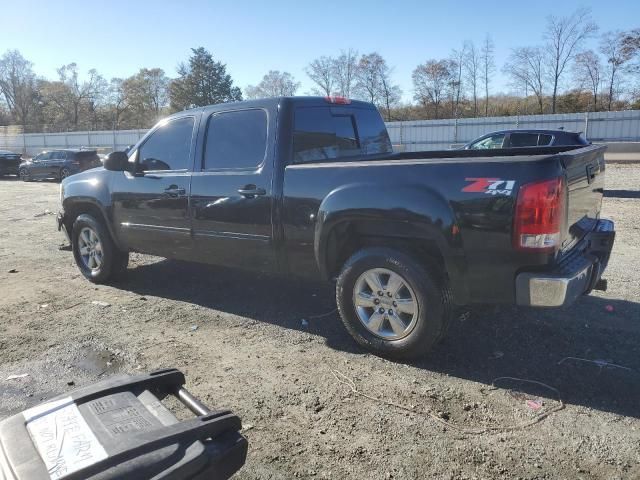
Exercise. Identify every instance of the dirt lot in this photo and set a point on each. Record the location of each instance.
(243, 345)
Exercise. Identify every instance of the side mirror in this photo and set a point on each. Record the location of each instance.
(116, 162)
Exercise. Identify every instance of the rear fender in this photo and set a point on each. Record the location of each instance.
(400, 211)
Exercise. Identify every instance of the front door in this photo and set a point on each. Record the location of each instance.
(151, 203)
(231, 191)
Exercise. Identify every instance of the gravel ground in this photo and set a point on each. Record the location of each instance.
(291, 381)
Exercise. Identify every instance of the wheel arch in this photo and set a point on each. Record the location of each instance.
(409, 218)
(76, 206)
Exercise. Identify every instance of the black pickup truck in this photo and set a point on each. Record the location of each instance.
(310, 187)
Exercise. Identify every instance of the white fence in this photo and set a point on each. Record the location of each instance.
(32, 143)
(442, 134)
(409, 136)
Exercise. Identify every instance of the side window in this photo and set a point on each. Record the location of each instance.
(168, 147)
(236, 139)
(544, 140)
(373, 132)
(493, 141)
(524, 139)
(44, 156)
(58, 156)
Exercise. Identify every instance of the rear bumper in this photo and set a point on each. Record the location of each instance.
(576, 275)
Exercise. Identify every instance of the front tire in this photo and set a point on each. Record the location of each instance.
(96, 255)
(391, 304)
(24, 175)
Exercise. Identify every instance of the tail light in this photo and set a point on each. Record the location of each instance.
(338, 100)
(539, 216)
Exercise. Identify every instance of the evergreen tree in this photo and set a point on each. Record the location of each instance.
(202, 81)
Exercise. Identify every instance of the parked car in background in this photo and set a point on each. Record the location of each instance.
(310, 187)
(58, 164)
(9, 163)
(526, 138)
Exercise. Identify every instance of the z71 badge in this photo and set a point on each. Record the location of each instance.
(490, 186)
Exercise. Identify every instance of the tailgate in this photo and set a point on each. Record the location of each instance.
(585, 170)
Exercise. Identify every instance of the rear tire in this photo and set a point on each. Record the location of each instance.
(371, 315)
(64, 173)
(95, 253)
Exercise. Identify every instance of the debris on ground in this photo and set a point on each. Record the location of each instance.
(42, 214)
(15, 377)
(100, 303)
(534, 405)
(194, 328)
(599, 363)
(13, 270)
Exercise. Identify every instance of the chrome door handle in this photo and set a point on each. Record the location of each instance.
(250, 191)
(174, 191)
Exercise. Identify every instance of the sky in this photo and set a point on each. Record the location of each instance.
(119, 37)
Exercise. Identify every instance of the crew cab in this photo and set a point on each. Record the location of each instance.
(310, 187)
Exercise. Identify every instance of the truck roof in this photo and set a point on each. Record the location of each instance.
(271, 102)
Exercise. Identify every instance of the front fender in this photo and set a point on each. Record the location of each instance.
(400, 211)
(88, 192)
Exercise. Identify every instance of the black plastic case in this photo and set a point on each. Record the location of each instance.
(118, 429)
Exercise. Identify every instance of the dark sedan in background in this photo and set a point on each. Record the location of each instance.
(9, 163)
(58, 164)
(526, 138)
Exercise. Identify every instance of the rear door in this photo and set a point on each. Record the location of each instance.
(231, 190)
(151, 206)
(55, 162)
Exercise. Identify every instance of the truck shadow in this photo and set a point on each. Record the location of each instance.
(489, 343)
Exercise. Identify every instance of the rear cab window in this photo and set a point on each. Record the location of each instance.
(332, 133)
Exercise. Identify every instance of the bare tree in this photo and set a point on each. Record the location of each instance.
(18, 85)
(456, 65)
(630, 42)
(374, 83)
(368, 77)
(472, 72)
(345, 69)
(430, 82)
(487, 68)
(525, 66)
(390, 93)
(322, 72)
(565, 36)
(274, 84)
(117, 100)
(587, 68)
(615, 47)
(72, 96)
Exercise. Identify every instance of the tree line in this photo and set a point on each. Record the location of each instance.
(558, 75)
